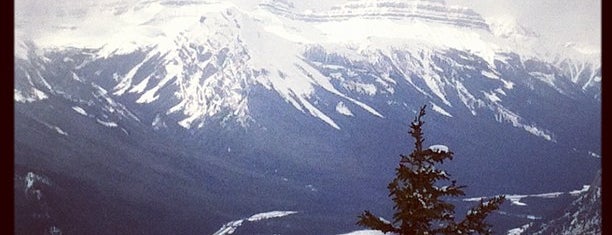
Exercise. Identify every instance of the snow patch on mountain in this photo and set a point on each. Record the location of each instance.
(270, 215)
(342, 109)
(140, 87)
(107, 124)
(504, 114)
(126, 81)
(60, 131)
(79, 110)
(584, 189)
(515, 199)
(230, 227)
(291, 77)
(173, 70)
(467, 98)
(362, 88)
(56, 129)
(491, 96)
(110, 105)
(595, 155)
(31, 177)
(519, 230)
(440, 110)
(34, 95)
(489, 74)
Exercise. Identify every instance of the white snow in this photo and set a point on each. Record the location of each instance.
(508, 84)
(515, 199)
(38, 94)
(489, 74)
(500, 91)
(548, 195)
(18, 96)
(491, 96)
(270, 215)
(467, 98)
(35, 95)
(584, 189)
(292, 78)
(549, 79)
(440, 110)
(595, 155)
(519, 230)
(158, 122)
(31, 178)
(60, 131)
(365, 232)
(366, 30)
(107, 124)
(126, 80)
(361, 88)
(230, 227)
(76, 77)
(56, 129)
(319, 114)
(503, 114)
(342, 109)
(140, 87)
(172, 71)
(285, 33)
(439, 148)
(79, 110)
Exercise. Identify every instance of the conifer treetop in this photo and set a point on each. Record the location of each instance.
(418, 198)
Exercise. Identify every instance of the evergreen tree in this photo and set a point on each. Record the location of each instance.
(417, 195)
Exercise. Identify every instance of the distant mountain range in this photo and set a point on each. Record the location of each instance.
(179, 116)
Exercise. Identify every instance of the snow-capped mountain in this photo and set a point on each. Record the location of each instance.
(299, 100)
(211, 60)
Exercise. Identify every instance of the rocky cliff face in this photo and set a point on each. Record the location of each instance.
(427, 11)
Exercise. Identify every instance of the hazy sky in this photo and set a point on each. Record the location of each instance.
(565, 20)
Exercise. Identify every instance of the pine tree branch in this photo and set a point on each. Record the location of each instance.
(367, 219)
